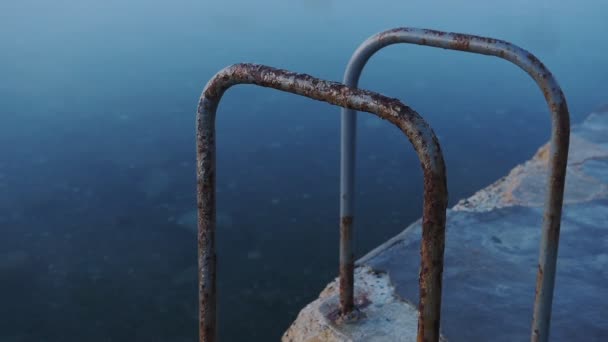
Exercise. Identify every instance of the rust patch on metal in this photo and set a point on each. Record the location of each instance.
(434, 32)
(345, 223)
(338, 317)
(539, 279)
(347, 266)
(535, 61)
(461, 42)
(389, 34)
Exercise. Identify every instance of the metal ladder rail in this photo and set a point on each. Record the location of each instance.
(407, 120)
(558, 153)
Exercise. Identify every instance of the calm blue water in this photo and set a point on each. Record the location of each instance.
(97, 178)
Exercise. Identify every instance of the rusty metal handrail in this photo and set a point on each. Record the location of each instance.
(413, 125)
(558, 156)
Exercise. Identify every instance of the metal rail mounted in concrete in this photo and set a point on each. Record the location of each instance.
(407, 120)
(560, 135)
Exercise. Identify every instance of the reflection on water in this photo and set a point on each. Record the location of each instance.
(97, 179)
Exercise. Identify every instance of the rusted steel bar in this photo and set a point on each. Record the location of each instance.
(415, 128)
(347, 265)
(560, 136)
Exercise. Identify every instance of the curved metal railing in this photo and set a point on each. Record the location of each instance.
(558, 154)
(407, 120)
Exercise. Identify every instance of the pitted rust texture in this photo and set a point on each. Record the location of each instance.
(559, 137)
(415, 128)
(431, 267)
(205, 195)
(347, 266)
(391, 109)
(461, 42)
(470, 43)
(539, 279)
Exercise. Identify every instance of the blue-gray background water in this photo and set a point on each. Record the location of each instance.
(97, 174)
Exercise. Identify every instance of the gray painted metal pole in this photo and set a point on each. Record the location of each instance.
(407, 120)
(560, 136)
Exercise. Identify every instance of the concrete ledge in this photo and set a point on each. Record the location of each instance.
(491, 260)
(382, 316)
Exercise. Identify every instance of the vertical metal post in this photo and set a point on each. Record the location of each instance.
(348, 158)
(407, 120)
(347, 186)
(558, 154)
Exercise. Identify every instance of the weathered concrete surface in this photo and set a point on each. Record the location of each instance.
(383, 315)
(492, 253)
